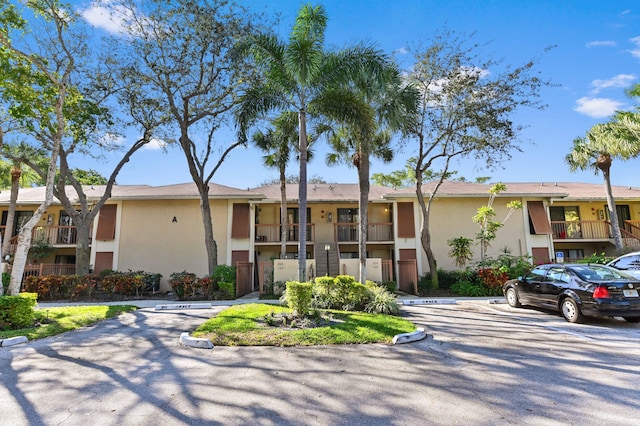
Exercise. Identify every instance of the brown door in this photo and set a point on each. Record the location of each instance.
(408, 271)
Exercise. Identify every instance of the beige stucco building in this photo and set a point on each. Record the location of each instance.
(159, 229)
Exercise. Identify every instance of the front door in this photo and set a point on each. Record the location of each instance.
(624, 214)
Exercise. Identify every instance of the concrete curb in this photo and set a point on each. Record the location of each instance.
(10, 341)
(414, 336)
(183, 306)
(194, 342)
(429, 302)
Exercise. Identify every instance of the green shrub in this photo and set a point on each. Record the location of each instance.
(382, 302)
(17, 311)
(446, 279)
(341, 292)
(223, 283)
(227, 290)
(468, 289)
(298, 297)
(600, 259)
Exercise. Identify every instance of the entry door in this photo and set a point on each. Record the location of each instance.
(624, 214)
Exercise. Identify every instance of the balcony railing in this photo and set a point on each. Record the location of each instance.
(581, 230)
(348, 232)
(49, 269)
(56, 235)
(271, 233)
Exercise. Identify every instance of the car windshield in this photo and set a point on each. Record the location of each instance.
(599, 273)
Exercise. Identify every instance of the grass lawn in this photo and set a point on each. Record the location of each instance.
(53, 321)
(250, 325)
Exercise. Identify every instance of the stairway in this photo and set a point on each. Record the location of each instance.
(321, 259)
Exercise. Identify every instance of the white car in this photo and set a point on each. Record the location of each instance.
(629, 263)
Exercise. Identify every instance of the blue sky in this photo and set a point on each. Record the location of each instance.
(597, 57)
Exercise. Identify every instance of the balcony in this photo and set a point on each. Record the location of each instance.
(595, 230)
(581, 230)
(58, 236)
(376, 232)
(271, 233)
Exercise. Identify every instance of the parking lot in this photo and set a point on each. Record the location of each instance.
(481, 364)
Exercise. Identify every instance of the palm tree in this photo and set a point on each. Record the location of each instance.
(277, 142)
(596, 151)
(356, 142)
(301, 76)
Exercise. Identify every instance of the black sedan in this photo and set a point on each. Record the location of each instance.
(577, 290)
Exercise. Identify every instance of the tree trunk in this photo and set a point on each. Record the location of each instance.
(613, 214)
(11, 214)
(209, 241)
(363, 214)
(302, 198)
(24, 244)
(425, 234)
(284, 217)
(83, 251)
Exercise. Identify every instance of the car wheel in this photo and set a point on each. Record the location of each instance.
(512, 298)
(632, 319)
(570, 310)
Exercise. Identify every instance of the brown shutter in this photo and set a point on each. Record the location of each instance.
(240, 225)
(104, 260)
(406, 228)
(107, 222)
(539, 218)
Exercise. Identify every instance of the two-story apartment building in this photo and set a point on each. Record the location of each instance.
(159, 229)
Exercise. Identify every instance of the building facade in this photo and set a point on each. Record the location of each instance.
(159, 229)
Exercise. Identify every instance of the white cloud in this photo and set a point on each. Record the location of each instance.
(601, 43)
(111, 140)
(155, 144)
(635, 52)
(597, 107)
(104, 15)
(620, 80)
(401, 51)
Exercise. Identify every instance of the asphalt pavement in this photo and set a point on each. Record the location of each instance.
(481, 364)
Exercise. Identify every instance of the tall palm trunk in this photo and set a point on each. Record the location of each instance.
(363, 212)
(302, 197)
(604, 164)
(284, 217)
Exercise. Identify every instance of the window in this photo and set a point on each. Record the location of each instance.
(627, 262)
(557, 275)
(536, 274)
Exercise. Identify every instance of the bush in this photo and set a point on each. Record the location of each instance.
(17, 311)
(298, 297)
(342, 293)
(47, 287)
(446, 279)
(493, 279)
(382, 302)
(600, 259)
(468, 289)
(223, 283)
(183, 284)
